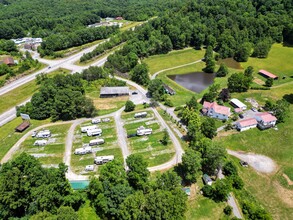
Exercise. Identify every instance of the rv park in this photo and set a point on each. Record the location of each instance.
(116, 134)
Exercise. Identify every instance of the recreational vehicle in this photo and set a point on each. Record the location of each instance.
(103, 159)
(87, 128)
(82, 151)
(140, 115)
(89, 168)
(94, 132)
(96, 142)
(143, 131)
(40, 143)
(96, 121)
(105, 119)
(43, 134)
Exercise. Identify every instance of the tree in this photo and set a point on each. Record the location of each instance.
(209, 53)
(225, 95)
(208, 191)
(168, 102)
(165, 138)
(280, 109)
(269, 82)
(212, 94)
(129, 106)
(228, 210)
(168, 181)
(191, 165)
(138, 173)
(193, 129)
(139, 74)
(192, 103)
(262, 48)
(243, 52)
(208, 128)
(210, 65)
(66, 213)
(248, 71)
(133, 207)
(236, 181)
(156, 89)
(222, 71)
(221, 190)
(238, 82)
(230, 169)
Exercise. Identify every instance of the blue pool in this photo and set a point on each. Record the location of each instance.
(79, 184)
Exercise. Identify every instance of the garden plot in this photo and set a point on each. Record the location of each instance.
(110, 147)
(149, 146)
(52, 153)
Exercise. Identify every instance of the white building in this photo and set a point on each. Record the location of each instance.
(246, 124)
(89, 168)
(82, 151)
(103, 159)
(237, 104)
(94, 132)
(265, 120)
(96, 142)
(216, 111)
(87, 128)
(143, 131)
(40, 143)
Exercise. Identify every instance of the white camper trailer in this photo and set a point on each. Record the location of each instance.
(43, 134)
(40, 143)
(94, 132)
(89, 168)
(96, 121)
(87, 128)
(143, 131)
(96, 142)
(140, 115)
(103, 159)
(82, 151)
(105, 119)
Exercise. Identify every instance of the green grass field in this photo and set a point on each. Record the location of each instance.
(172, 59)
(53, 152)
(8, 137)
(86, 212)
(110, 147)
(148, 146)
(22, 93)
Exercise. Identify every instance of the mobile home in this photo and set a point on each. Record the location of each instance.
(140, 115)
(43, 134)
(87, 128)
(96, 121)
(96, 142)
(144, 131)
(94, 132)
(82, 151)
(103, 159)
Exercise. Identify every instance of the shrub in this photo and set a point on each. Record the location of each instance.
(228, 210)
(129, 106)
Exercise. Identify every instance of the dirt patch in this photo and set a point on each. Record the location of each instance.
(108, 103)
(226, 133)
(290, 182)
(285, 195)
(258, 81)
(258, 162)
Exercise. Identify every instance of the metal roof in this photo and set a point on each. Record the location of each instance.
(114, 90)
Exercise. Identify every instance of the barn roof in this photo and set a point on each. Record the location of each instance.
(114, 90)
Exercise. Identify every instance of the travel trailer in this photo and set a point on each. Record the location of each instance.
(143, 131)
(87, 128)
(94, 132)
(40, 143)
(82, 151)
(96, 142)
(103, 159)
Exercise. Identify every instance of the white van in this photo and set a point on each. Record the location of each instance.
(87, 128)
(94, 132)
(96, 142)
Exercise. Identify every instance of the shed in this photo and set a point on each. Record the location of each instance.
(237, 104)
(8, 61)
(114, 91)
(267, 74)
(24, 125)
(207, 179)
(169, 90)
(246, 124)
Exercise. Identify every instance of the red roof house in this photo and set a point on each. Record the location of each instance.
(267, 74)
(265, 120)
(216, 111)
(246, 124)
(8, 61)
(119, 18)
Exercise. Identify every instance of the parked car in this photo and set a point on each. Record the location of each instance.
(241, 116)
(131, 135)
(243, 163)
(254, 109)
(134, 93)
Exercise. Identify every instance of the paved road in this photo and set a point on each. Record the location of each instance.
(231, 200)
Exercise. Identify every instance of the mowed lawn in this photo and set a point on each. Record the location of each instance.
(22, 93)
(272, 190)
(172, 59)
(148, 146)
(110, 147)
(53, 152)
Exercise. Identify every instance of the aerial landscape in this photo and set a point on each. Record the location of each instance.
(146, 109)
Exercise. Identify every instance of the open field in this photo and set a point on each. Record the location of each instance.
(110, 147)
(22, 93)
(148, 146)
(172, 59)
(8, 137)
(279, 62)
(53, 152)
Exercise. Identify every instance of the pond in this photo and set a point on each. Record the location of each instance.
(231, 63)
(195, 82)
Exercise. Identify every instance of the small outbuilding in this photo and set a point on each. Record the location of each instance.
(237, 104)
(267, 74)
(9, 61)
(207, 179)
(24, 125)
(168, 89)
(246, 124)
(106, 92)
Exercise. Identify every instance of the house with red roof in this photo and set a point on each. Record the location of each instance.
(246, 124)
(212, 109)
(8, 61)
(265, 120)
(267, 74)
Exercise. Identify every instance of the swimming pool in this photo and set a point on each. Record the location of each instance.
(79, 184)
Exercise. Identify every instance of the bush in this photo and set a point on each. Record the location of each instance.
(228, 210)
(178, 108)
(129, 106)
(237, 182)
(169, 103)
(230, 169)
(208, 191)
(260, 88)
